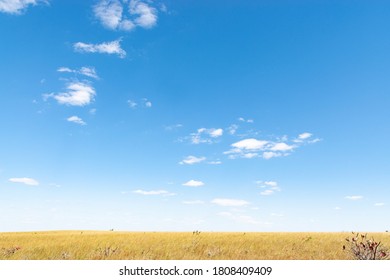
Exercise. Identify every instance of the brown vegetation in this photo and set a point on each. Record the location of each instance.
(109, 245)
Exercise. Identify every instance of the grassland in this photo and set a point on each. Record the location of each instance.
(107, 245)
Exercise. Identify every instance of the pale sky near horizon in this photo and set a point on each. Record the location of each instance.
(146, 115)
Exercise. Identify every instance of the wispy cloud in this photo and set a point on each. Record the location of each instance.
(193, 183)
(77, 94)
(86, 71)
(229, 202)
(132, 104)
(89, 72)
(232, 129)
(192, 160)
(304, 135)
(354, 197)
(245, 120)
(138, 104)
(76, 119)
(17, 7)
(24, 180)
(147, 103)
(124, 15)
(205, 135)
(215, 162)
(379, 204)
(113, 47)
(154, 192)
(267, 149)
(270, 187)
(173, 127)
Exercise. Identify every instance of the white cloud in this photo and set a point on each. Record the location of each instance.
(173, 127)
(250, 144)
(116, 15)
(269, 155)
(132, 104)
(112, 47)
(76, 119)
(314, 141)
(250, 155)
(147, 103)
(216, 132)
(247, 148)
(267, 192)
(109, 12)
(192, 160)
(204, 135)
(304, 135)
(18, 6)
(89, 72)
(86, 71)
(281, 147)
(271, 183)
(77, 94)
(379, 204)
(193, 202)
(229, 202)
(354, 197)
(26, 181)
(252, 148)
(158, 192)
(65, 69)
(193, 183)
(215, 162)
(137, 104)
(245, 120)
(232, 129)
(270, 187)
(146, 15)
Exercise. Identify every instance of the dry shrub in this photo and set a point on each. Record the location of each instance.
(363, 248)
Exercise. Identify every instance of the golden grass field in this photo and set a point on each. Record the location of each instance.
(108, 245)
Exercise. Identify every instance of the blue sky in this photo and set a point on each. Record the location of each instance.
(194, 115)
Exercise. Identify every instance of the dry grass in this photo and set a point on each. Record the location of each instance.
(99, 245)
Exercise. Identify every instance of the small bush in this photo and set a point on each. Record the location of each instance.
(363, 248)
